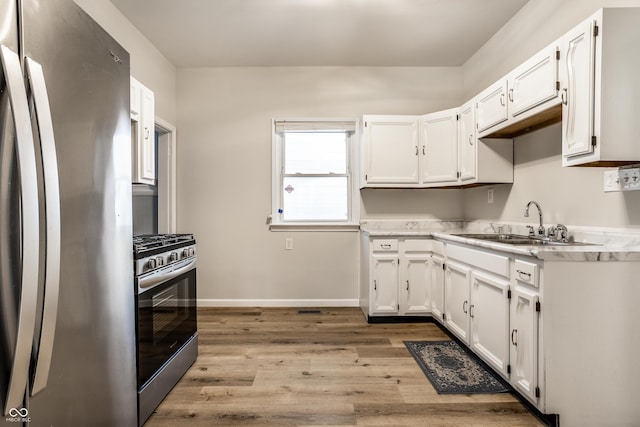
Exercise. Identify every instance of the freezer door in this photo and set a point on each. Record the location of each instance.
(92, 367)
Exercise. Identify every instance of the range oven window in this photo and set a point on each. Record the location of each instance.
(166, 320)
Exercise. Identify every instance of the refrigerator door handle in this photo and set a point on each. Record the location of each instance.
(25, 153)
(44, 343)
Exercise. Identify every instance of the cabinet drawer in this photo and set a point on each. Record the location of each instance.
(526, 272)
(487, 261)
(418, 245)
(384, 245)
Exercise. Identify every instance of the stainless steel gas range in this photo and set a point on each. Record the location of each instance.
(166, 324)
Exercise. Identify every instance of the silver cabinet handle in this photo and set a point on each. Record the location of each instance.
(375, 285)
(564, 96)
(417, 152)
(407, 285)
(471, 310)
(25, 150)
(514, 337)
(464, 307)
(511, 95)
(52, 218)
(385, 246)
(524, 274)
(502, 99)
(424, 152)
(470, 139)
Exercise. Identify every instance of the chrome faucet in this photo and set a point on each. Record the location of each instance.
(526, 214)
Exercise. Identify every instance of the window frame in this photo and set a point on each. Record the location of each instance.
(276, 220)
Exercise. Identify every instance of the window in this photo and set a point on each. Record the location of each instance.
(313, 185)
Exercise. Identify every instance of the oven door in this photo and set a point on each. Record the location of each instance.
(166, 319)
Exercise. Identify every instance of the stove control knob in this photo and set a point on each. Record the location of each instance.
(192, 251)
(185, 253)
(151, 263)
(173, 256)
(159, 261)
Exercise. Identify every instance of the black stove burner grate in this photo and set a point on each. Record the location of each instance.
(147, 242)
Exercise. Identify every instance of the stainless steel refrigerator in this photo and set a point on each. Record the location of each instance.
(67, 349)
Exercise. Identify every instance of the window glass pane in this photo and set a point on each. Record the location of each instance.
(315, 152)
(315, 198)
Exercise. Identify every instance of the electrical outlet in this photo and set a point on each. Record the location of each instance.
(612, 181)
(288, 243)
(490, 195)
(622, 179)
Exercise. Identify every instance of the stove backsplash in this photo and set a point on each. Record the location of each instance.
(145, 209)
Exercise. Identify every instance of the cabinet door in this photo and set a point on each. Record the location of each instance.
(437, 287)
(467, 144)
(439, 150)
(391, 150)
(491, 106)
(524, 341)
(489, 313)
(456, 299)
(534, 82)
(384, 283)
(577, 60)
(147, 160)
(135, 90)
(417, 282)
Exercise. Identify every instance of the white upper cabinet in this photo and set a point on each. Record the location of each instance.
(143, 134)
(467, 144)
(578, 56)
(534, 82)
(135, 94)
(491, 106)
(601, 90)
(434, 150)
(524, 100)
(439, 147)
(391, 150)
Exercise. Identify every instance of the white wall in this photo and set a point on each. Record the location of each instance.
(572, 196)
(148, 65)
(224, 174)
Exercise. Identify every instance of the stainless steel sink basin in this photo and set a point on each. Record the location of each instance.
(518, 239)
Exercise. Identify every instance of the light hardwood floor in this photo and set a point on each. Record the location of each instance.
(280, 367)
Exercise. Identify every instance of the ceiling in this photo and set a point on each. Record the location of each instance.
(220, 33)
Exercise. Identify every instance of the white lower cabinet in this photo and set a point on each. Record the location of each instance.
(491, 303)
(397, 276)
(524, 340)
(437, 286)
(489, 315)
(384, 269)
(456, 299)
(416, 275)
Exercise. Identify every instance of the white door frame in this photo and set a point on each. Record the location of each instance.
(166, 176)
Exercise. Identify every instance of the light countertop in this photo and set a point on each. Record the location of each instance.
(606, 244)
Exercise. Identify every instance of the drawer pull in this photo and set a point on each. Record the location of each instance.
(464, 307)
(385, 246)
(471, 310)
(524, 274)
(514, 337)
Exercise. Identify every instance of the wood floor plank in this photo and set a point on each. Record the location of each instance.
(287, 367)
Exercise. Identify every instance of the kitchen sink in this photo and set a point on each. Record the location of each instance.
(518, 239)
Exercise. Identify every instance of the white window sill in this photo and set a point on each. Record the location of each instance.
(314, 227)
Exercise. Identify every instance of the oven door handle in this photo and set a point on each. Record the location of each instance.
(144, 283)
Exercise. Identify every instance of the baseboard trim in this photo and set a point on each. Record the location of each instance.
(278, 303)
